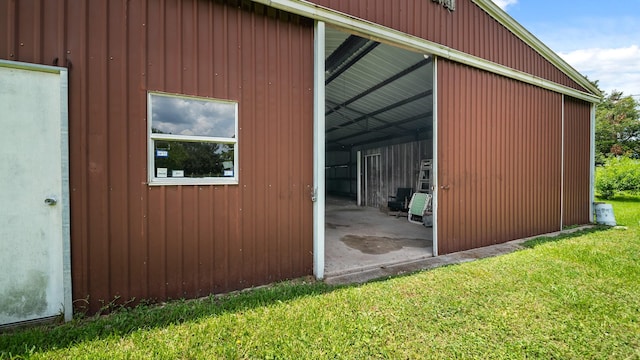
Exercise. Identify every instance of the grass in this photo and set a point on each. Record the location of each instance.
(572, 298)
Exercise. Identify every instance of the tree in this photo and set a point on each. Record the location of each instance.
(619, 174)
(195, 158)
(617, 127)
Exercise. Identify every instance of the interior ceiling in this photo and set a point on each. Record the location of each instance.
(375, 93)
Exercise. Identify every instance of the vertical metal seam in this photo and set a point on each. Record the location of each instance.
(127, 141)
(144, 201)
(84, 130)
(107, 164)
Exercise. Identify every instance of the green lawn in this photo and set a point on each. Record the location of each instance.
(573, 298)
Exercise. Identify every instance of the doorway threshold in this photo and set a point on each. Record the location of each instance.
(361, 239)
(367, 274)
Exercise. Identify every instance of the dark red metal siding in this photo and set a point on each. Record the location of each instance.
(499, 159)
(468, 29)
(130, 239)
(577, 161)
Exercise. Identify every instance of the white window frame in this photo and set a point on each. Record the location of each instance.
(153, 137)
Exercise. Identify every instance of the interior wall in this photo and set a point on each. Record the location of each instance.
(400, 167)
(339, 173)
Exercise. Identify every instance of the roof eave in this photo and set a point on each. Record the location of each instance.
(379, 33)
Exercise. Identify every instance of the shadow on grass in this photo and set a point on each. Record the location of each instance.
(627, 198)
(548, 239)
(24, 342)
(630, 198)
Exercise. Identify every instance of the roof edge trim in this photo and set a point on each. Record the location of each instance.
(30, 66)
(379, 32)
(520, 31)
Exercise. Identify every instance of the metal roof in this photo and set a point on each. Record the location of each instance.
(374, 92)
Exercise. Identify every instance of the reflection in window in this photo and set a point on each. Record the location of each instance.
(192, 140)
(193, 159)
(193, 116)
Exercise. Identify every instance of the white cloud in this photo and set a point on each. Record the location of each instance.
(606, 49)
(584, 33)
(614, 68)
(191, 116)
(504, 3)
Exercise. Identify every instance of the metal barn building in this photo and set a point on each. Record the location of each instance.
(159, 149)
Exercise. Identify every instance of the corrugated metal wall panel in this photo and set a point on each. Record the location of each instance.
(577, 163)
(129, 239)
(468, 29)
(499, 159)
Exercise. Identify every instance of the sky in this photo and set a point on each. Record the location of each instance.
(193, 116)
(600, 39)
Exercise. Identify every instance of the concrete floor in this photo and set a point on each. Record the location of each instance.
(359, 238)
(362, 244)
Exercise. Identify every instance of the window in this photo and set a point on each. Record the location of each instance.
(192, 140)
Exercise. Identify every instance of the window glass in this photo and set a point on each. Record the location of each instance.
(190, 116)
(192, 140)
(193, 159)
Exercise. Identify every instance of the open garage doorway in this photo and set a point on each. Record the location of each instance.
(379, 152)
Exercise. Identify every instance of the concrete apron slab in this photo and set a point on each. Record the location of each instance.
(370, 273)
(364, 238)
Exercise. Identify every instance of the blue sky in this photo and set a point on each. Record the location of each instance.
(600, 39)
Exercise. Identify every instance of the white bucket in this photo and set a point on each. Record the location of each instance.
(427, 220)
(604, 214)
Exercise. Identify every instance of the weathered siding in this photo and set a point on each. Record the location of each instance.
(468, 29)
(499, 159)
(130, 239)
(577, 162)
(400, 167)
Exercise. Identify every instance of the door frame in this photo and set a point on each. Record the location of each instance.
(64, 191)
(369, 160)
(318, 195)
(318, 150)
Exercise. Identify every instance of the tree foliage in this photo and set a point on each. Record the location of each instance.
(196, 159)
(619, 174)
(617, 127)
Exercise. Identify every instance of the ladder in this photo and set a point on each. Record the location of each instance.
(425, 176)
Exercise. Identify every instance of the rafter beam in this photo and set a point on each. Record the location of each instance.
(359, 113)
(381, 84)
(385, 126)
(387, 108)
(349, 46)
(367, 49)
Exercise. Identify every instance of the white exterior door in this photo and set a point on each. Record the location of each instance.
(35, 281)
